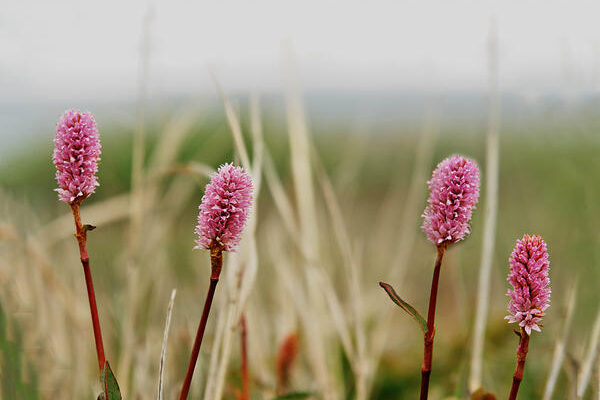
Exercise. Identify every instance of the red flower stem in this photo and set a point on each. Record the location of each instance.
(521, 357)
(81, 236)
(428, 352)
(245, 372)
(216, 261)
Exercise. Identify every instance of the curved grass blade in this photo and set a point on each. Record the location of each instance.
(404, 305)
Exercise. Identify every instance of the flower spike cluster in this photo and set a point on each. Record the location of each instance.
(224, 209)
(454, 187)
(76, 155)
(530, 295)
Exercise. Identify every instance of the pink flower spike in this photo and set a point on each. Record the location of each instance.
(76, 156)
(454, 187)
(224, 209)
(530, 295)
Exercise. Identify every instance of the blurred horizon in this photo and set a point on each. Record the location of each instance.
(361, 111)
(391, 61)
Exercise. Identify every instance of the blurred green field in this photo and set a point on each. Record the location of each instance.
(549, 184)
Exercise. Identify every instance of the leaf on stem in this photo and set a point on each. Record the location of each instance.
(89, 227)
(109, 385)
(404, 305)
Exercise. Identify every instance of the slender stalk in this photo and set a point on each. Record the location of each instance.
(521, 357)
(81, 236)
(163, 352)
(216, 261)
(245, 372)
(428, 352)
(491, 216)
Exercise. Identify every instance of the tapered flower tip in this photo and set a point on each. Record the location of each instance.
(530, 293)
(224, 209)
(76, 155)
(454, 187)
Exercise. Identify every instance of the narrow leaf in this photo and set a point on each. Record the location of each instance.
(109, 384)
(404, 305)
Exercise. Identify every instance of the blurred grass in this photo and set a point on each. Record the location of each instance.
(549, 175)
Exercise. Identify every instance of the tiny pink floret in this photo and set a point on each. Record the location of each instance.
(224, 209)
(530, 295)
(76, 156)
(454, 187)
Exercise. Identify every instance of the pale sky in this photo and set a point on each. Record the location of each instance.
(89, 50)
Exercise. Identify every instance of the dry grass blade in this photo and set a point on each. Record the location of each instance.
(282, 202)
(407, 235)
(300, 154)
(560, 349)
(213, 365)
(163, 352)
(101, 213)
(491, 212)
(234, 125)
(139, 145)
(587, 367)
(257, 141)
(300, 150)
(358, 359)
(251, 265)
(598, 379)
(226, 346)
(192, 168)
(412, 208)
(171, 140)
(242, 267)
(339, 320)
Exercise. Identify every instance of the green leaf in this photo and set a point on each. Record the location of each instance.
(109, 385)
(293, 396)
(404, 305)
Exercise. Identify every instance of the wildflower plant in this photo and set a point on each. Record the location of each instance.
(223, 213)
(76, 155)
(454, 192)
(529, 296)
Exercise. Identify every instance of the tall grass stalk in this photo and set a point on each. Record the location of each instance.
(561, 346)
(587, 367)
(307, 217)
(213, 364)
(161, 161)
(490, 214)
(137, 203)
(407, 236)
(163, 352)
(242, 268)
(356, 354)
